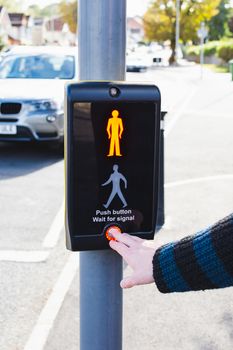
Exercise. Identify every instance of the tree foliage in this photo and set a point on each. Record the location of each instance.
(11, 5)
(230, 22)
(160, 20)
(218, 24)
(34, 10)
(69, 14)
(48, 11)
(225, 51)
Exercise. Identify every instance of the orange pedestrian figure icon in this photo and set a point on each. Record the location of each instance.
(114, 130)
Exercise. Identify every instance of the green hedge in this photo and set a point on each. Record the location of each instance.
(222, 49)
(210, 49)
(225, 51)
(192, 51)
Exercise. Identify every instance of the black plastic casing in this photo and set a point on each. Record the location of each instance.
(88, 106)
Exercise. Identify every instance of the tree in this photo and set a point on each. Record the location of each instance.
(230, 22)
(48, 11)
(160, 20)
(218, 24)
(69, 14)
(11, 5)
(52, 10)
(34, 10)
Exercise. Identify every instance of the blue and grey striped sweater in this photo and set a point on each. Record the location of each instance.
(198, 262)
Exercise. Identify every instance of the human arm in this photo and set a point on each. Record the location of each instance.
(109, 128)
(121, 128)
(198, 262)
(138, 255)
(124, 180)
(107, 182)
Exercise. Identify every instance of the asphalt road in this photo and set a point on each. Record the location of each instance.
(39, 307)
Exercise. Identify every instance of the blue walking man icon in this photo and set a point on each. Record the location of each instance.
(116, 178)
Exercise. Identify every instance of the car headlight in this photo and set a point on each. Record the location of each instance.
(42, 106)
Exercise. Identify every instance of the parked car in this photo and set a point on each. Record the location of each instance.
(160, 54)
(32, 92)
(137, 62)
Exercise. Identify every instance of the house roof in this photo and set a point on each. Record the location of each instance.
(134, 23)
(17, 19)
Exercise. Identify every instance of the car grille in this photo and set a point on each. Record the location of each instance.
(8, 120)
(10, 107)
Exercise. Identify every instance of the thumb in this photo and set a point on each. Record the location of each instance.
(129, 282)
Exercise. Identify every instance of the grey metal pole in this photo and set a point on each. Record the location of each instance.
(177, 28)
(102, 39)
(102, 47)
(202, 47)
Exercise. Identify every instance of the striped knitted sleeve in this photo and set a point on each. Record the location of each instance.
(198, 262)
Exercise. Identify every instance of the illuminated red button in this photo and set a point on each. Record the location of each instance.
(108, 233)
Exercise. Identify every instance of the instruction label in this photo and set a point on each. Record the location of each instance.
(122, 215)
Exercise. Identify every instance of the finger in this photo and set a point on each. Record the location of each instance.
(120, 248)
(128, 282)
(137, 239)
(123, 237)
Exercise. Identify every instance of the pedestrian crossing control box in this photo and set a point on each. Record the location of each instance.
(111, 161)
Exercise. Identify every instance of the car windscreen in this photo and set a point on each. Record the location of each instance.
(41, 66)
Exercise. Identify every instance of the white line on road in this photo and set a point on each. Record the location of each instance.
(49, 313)
(53, 235)
(176, 115)
(207, 114)
(199, 179)
(23, 256)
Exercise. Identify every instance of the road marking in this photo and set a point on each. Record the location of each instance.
(176, 116)
(23, 256)
(50, 311)
(53, 235)
(207, 114)
(199, 179)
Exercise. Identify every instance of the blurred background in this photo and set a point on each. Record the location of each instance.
(155, 28)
